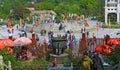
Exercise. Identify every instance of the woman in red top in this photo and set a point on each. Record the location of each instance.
(55, 63)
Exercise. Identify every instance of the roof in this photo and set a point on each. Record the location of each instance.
(43, 11)
(58, 39)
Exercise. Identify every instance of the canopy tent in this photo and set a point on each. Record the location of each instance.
(5, 42)
(22, 41)
(113, 41)
(118, 41)
(104, 49)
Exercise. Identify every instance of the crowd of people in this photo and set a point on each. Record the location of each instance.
(92, 61)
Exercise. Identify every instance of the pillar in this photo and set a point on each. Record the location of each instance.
(9, 65)
(106, 13)
(106, 16)
(33, 38)
(118, 17)
(83, 44)
(1, 63)
(106, 3)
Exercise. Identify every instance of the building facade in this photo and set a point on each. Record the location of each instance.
(112, 6)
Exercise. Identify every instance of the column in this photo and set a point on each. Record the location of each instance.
(106, 12)
(118, 17)
(106, 16)
(1, 63)
(106, 3)
(118, 12)
(33, 38)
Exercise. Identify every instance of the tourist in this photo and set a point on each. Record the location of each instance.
(12, 30)
(97, 62)
(60, 27)
(87, 61)
(87, 34)
(37, 38)
(81, 30)
(55, 63)
(32, 30)
(93, 35)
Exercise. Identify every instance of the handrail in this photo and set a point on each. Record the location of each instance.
(117, 66)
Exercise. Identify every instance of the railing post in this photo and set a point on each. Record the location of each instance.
(9, 65)
(71, 66)
(1, 63)
(119, 66)
(48, 66)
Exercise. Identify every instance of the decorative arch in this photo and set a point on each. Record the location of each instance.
(112, 17)
(112, 10)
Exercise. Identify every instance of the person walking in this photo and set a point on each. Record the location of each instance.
(87, 61)
(97, 62)
(55, 63)
(60, 27)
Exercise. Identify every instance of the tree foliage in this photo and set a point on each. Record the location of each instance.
(19, 12)
(86, 7)
(114, 58)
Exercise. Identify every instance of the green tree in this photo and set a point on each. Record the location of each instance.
(115, 57)
(44, 6)
(19, 12)
(7, 5)
(88, 7)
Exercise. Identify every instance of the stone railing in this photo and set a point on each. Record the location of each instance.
(4, 66)
(116, 67)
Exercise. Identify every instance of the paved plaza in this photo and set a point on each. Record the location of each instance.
(75, 27)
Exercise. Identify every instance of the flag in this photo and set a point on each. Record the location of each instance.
(63, 16)
(21, 22)
(9, 23)
(42, 16)
(53, 17)
(97, 26)
(28, 19)
(109, 23)
(33, 20)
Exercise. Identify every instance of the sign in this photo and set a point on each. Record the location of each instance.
(60, 68)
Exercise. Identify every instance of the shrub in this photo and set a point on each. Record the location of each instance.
(114, 58)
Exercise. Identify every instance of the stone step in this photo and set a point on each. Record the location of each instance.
(60, 65)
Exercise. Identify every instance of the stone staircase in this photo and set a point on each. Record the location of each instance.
(75, 27)
(60, 65)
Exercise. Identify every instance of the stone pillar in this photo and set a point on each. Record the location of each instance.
(106, 3)
(106, 16)
(118, 17)
(9, 65)
(106, 12)
(118, 1)
(83, 44)
(1, 63)
(33, 38)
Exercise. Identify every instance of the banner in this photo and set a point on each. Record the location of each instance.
(42, 17)
(9, 23)
(109, 22)
(20, 22)
(28, 19)
(33, 20)
(97, 26)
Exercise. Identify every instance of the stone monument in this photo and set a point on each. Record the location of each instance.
(112, 6)
(59, 45)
